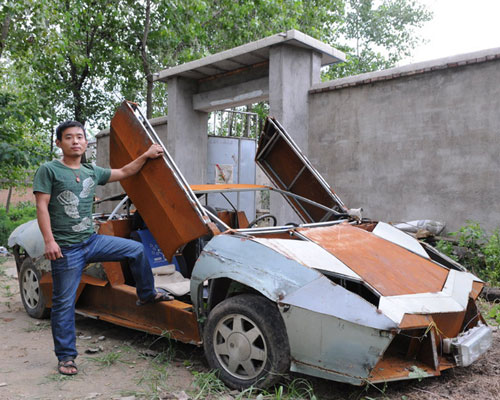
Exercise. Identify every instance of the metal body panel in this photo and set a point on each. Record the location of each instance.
(453, 298)
(29, 237)
(117, 304)
(250, 263)
(286, 166)
(323, 373)
(396, 236)
(157, 190)
(334, 345)
(310, 255)
(338, 302)
(388, 268)
(202, 189)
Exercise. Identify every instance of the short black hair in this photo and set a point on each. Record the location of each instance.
(68, 124)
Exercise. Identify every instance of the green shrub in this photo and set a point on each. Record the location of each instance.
(476, 250)
(18, 215)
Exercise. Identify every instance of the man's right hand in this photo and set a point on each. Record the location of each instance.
(52, 251)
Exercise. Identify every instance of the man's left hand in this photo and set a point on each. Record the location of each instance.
(154, 151)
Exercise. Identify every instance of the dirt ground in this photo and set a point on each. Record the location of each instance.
(132, 365)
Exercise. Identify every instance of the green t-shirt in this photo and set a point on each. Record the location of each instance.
(71, 197)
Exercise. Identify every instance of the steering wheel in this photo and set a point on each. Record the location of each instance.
(265, 216)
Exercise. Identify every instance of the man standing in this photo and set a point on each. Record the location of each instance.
(64, 191)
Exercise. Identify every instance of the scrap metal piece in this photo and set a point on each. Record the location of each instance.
(287, 167)
(159, 191)
(385, 266)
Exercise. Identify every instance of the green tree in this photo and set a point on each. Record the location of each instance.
(81, 57)
(377, 36)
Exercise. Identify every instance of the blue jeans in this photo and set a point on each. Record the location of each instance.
(66, 274)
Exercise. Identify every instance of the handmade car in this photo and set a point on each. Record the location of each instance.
(338, 296)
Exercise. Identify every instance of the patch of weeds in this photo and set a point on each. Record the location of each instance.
(38, 326)
(494, 313)
(208, 384)
(476, 250)
(58, 378)
(380, 390)
(155, 378)
(6, 289)
(300, 389)
(296, 389)
(7, 304)
(137, 394)
(167, 347)
(3, 269)
(106, 360)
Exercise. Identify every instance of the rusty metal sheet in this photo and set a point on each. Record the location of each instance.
(237, 187)
(117, 305)
(477, 287)
(288, 168)
(449, 324)
(385, 266)
(156, 191)
(393, 368)
(412, 321)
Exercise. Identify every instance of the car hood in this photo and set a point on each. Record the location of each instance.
(390, 263)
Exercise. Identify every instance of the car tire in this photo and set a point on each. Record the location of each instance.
(246, 341)
(32, 296)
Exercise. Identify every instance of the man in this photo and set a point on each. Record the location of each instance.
(64, 191)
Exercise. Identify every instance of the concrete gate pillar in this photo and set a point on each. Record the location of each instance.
(292, 72)
(187, 130)
(280, 68)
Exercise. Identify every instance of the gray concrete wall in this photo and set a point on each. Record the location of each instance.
(418, 142)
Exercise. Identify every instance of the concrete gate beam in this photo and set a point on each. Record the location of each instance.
(281, 68)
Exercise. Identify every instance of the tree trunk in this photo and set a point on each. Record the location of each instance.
(145, 61)
(149, 97)
(248, 118)
(230, 123)
(4, 32)
(7, 204)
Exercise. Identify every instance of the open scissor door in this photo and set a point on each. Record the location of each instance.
(291, 172)
(165, 201)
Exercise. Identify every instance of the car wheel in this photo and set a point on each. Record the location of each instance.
(246, 341)
(31, 294)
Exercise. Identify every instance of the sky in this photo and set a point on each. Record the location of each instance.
(458, 26)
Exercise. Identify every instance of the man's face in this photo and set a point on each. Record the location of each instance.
(73, 142)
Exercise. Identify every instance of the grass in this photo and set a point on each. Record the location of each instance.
(7, 290)
(3, 269)
(155, 377)
(208, 385)
(58, 378)
(106, 360)
(493, 313)
(38, 326)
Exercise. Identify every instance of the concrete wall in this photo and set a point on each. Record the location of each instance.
(418, 142)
